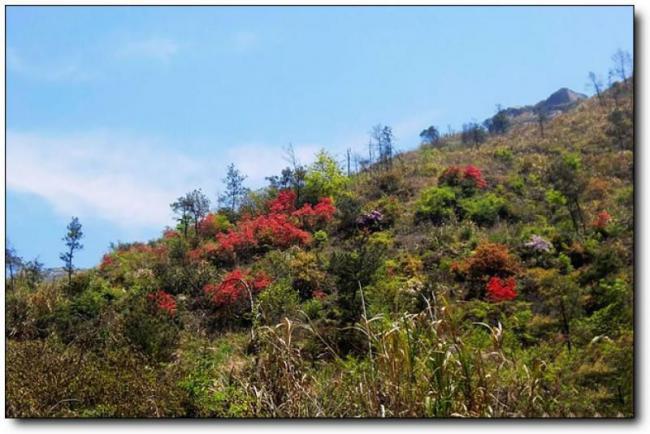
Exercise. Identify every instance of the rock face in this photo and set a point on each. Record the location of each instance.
(558, 102)
(561, 100)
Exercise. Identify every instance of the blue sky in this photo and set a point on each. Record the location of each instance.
(113, 112)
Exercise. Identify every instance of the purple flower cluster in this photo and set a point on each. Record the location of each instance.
(538, 243)
(370, 219)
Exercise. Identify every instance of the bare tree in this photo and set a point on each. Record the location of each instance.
(541, 117)
(597, 85)
(622, 64)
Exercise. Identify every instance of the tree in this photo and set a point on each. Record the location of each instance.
(565, 174)
(473, 133)
(32, 273)
(542, 117)
(499, 123)
(72, 243)
(235, 190)
(324, 177)
(292, 177)
(430, 136)
(13, 263)
(622, 64)
(597, 85)
(383, 139)
(621, 128)
(191, 208)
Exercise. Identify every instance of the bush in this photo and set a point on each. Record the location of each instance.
(324, 178)
(278, 301)
(483, 210)
(151, 331)
(487, 261)
(436, 204)
(503, 154)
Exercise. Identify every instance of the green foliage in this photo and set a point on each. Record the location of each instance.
(150, 331)
(324, 178)
(278, 301)
(388, 319)
(436, 204)
(484, 209)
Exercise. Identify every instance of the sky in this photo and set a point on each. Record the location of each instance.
(114, 112)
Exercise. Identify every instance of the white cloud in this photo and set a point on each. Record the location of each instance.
(59, 70)
(258, 161)
(129, 182)
(156, 48)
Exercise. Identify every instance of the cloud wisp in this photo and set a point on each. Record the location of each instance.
(127, 181)
(152, 48)
(59, 71)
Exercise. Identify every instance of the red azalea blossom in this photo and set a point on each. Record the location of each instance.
(474, 173)
(501, 290)
(284, 203)
(283, 226)
(232, 289)
(107, 261)
(163, 301)
(455, 175)
(318, 294)
(602, 220)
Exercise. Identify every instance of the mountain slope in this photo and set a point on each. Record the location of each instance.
(488, 281)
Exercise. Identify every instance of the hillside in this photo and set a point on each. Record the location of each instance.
(557, 103)
(455, 280)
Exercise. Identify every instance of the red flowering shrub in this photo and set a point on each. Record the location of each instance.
(474, 173)
(501, 290)
(320, 213)
(163, 301)
(469, 175)
(282, 227)
(489, 259)
(169, 234)
(232, 288)
(107, 262)
(212, 224)
(602, 219)
(210, 250)
(284, 203)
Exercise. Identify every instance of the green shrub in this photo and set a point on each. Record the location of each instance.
(436, 204)
(278, 301)
(483, 210)
(503, 154)
(152, 332)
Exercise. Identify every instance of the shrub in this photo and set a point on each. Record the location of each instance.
(163, 302)
(283, 226)
(487, 261)
(278, 301)
(503, 154)
(483, 210)
(324, 178)
(436, 204)
(500, 289)
(212, 224)
(150, 330)
(235, 287)
(468, 177)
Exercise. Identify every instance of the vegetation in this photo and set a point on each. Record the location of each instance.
(455, 280)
